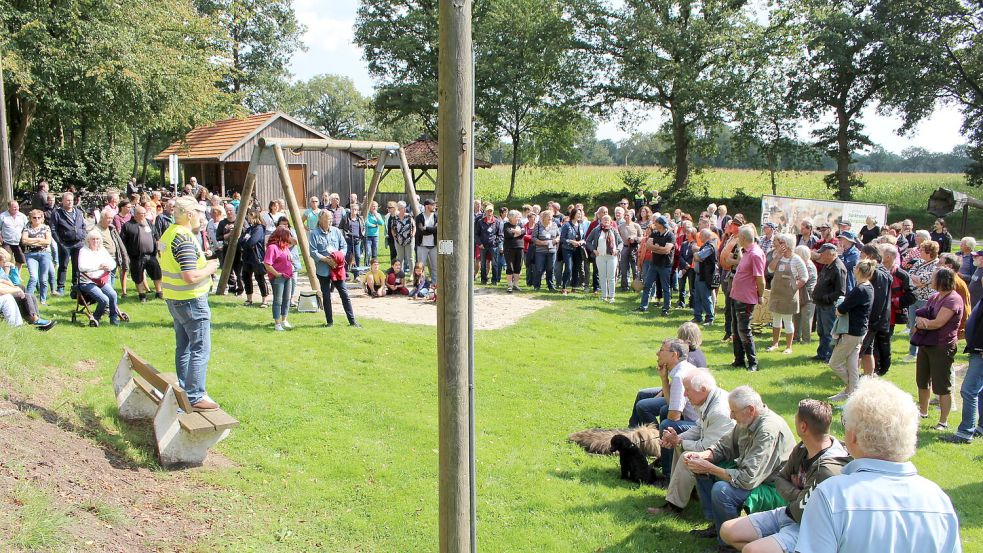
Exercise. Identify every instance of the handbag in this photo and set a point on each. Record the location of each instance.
(637, 284)
(102, 280)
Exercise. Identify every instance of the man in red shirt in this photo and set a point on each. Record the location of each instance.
(746, 292)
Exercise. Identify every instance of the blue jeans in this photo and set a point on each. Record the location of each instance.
(720, 501)
(490, 256)
(679, 426)
(104, 297)
(39, 265)
(825, 317)
(544, 264)
(281, 298)
(193, 331)
(913, 349)
(971, 392)
(354, 253)
(653, 273)
(371, 248)
(702, 301)
(647, 407)
(573, 268)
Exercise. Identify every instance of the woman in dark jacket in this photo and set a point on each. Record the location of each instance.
(845, 359)
(353, 227)
(514, 234)
(253, 246)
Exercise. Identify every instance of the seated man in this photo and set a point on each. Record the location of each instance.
(652, 404)
(758, 446)
(396, 280)
(678, 415)
(879, 502)
(26, 305)
(374, 281)
(714, 422)
(817, 457)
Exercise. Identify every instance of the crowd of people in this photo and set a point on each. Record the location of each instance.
(804, 489)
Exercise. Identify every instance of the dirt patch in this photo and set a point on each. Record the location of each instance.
(105, 501)
(493, 309)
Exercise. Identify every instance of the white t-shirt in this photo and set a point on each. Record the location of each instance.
(429, 221)
(11, 227)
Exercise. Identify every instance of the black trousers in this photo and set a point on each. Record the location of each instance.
(248, 273)
(339, 285)
(64, 254)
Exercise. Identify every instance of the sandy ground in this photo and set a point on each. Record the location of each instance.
(493, 308)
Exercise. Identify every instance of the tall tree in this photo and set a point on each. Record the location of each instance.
(963, 63)
(530, 80)
(332, 104)
(690, 59)
(262, 36)
(865, 53)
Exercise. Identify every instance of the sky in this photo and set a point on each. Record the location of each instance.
(331, 49)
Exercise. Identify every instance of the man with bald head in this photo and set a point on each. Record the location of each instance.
(140, 239)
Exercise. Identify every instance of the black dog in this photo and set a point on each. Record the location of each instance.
(634, 466)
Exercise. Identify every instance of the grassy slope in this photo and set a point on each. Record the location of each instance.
(338, 445)
(905, 193)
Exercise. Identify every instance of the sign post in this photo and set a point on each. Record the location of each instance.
(174, 170)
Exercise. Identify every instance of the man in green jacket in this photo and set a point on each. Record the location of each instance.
(757, 448)
(817, 457)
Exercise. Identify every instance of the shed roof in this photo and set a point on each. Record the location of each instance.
(219, 139)
(420, 154)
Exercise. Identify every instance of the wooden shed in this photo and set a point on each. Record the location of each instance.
(218, 155)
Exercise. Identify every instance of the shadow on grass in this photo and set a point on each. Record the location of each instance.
(113, 444)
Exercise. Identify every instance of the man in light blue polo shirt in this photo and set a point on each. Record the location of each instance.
(879, 503)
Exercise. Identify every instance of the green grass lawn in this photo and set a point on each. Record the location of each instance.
(906, 194)
(338, 445)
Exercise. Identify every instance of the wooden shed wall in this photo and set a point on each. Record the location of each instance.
(335, 169)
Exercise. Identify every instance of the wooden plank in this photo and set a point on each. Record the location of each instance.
(220, 419)
(149, 390)
(194, 422)
(159, 380)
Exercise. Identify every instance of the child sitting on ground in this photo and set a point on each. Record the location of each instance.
(396, 280)
(374, 281)
(421, 284)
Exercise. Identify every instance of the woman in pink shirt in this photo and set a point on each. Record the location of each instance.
(280, 269)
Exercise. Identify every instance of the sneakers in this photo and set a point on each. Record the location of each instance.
(772, 347)
(708, 532)
(44, 325)
(955, 439)
(516, 288)
(509, 289)
(787, 351)
(641, 309)
(278, 327)
(286, 324)
(908, 359)
(842, 396)
(143, 298)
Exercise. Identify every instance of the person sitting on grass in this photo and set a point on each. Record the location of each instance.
(396, 280)
(374, 281)
(757, 448)
(421, 284)
(96, 268)
(653, 404)
(879, 502)
(26, 307)
(713, 423)
(817, 457)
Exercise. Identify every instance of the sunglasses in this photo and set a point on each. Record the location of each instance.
(37, 217)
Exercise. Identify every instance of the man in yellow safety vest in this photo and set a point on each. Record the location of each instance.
(186, 282)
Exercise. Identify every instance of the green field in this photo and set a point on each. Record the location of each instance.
(905, 194)
(338, 445)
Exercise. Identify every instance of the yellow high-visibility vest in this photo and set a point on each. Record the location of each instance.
(173, 285)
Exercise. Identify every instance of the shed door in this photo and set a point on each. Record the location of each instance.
(298, 174)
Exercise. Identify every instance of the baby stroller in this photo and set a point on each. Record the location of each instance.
(83, 309)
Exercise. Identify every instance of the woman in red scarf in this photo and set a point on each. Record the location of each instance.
(605, 242)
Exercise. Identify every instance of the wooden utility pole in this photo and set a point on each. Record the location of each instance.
(455, 94)
(6, 179)
(300, 226)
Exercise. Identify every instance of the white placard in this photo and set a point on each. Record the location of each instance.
(173, 169)
(787, 213)
(445, 247)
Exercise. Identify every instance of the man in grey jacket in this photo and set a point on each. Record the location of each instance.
(714, 422)
(817, 457)
(759, 444)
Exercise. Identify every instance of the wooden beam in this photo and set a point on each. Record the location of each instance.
(377, 176)
(233, 243)
(221, 178)
(316, 145)
(299, 226)
(408, 180)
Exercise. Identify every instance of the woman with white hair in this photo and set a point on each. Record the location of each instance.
(96, 268)
(912, 256)
(966, 248)
(807, 308)
(790, 276)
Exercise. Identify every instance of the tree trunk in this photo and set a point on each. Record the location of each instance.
(146, 158)
(22, 115)
(515, 166)
(843, 191)
(680, 140)
(773, 170)
(136, 153)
